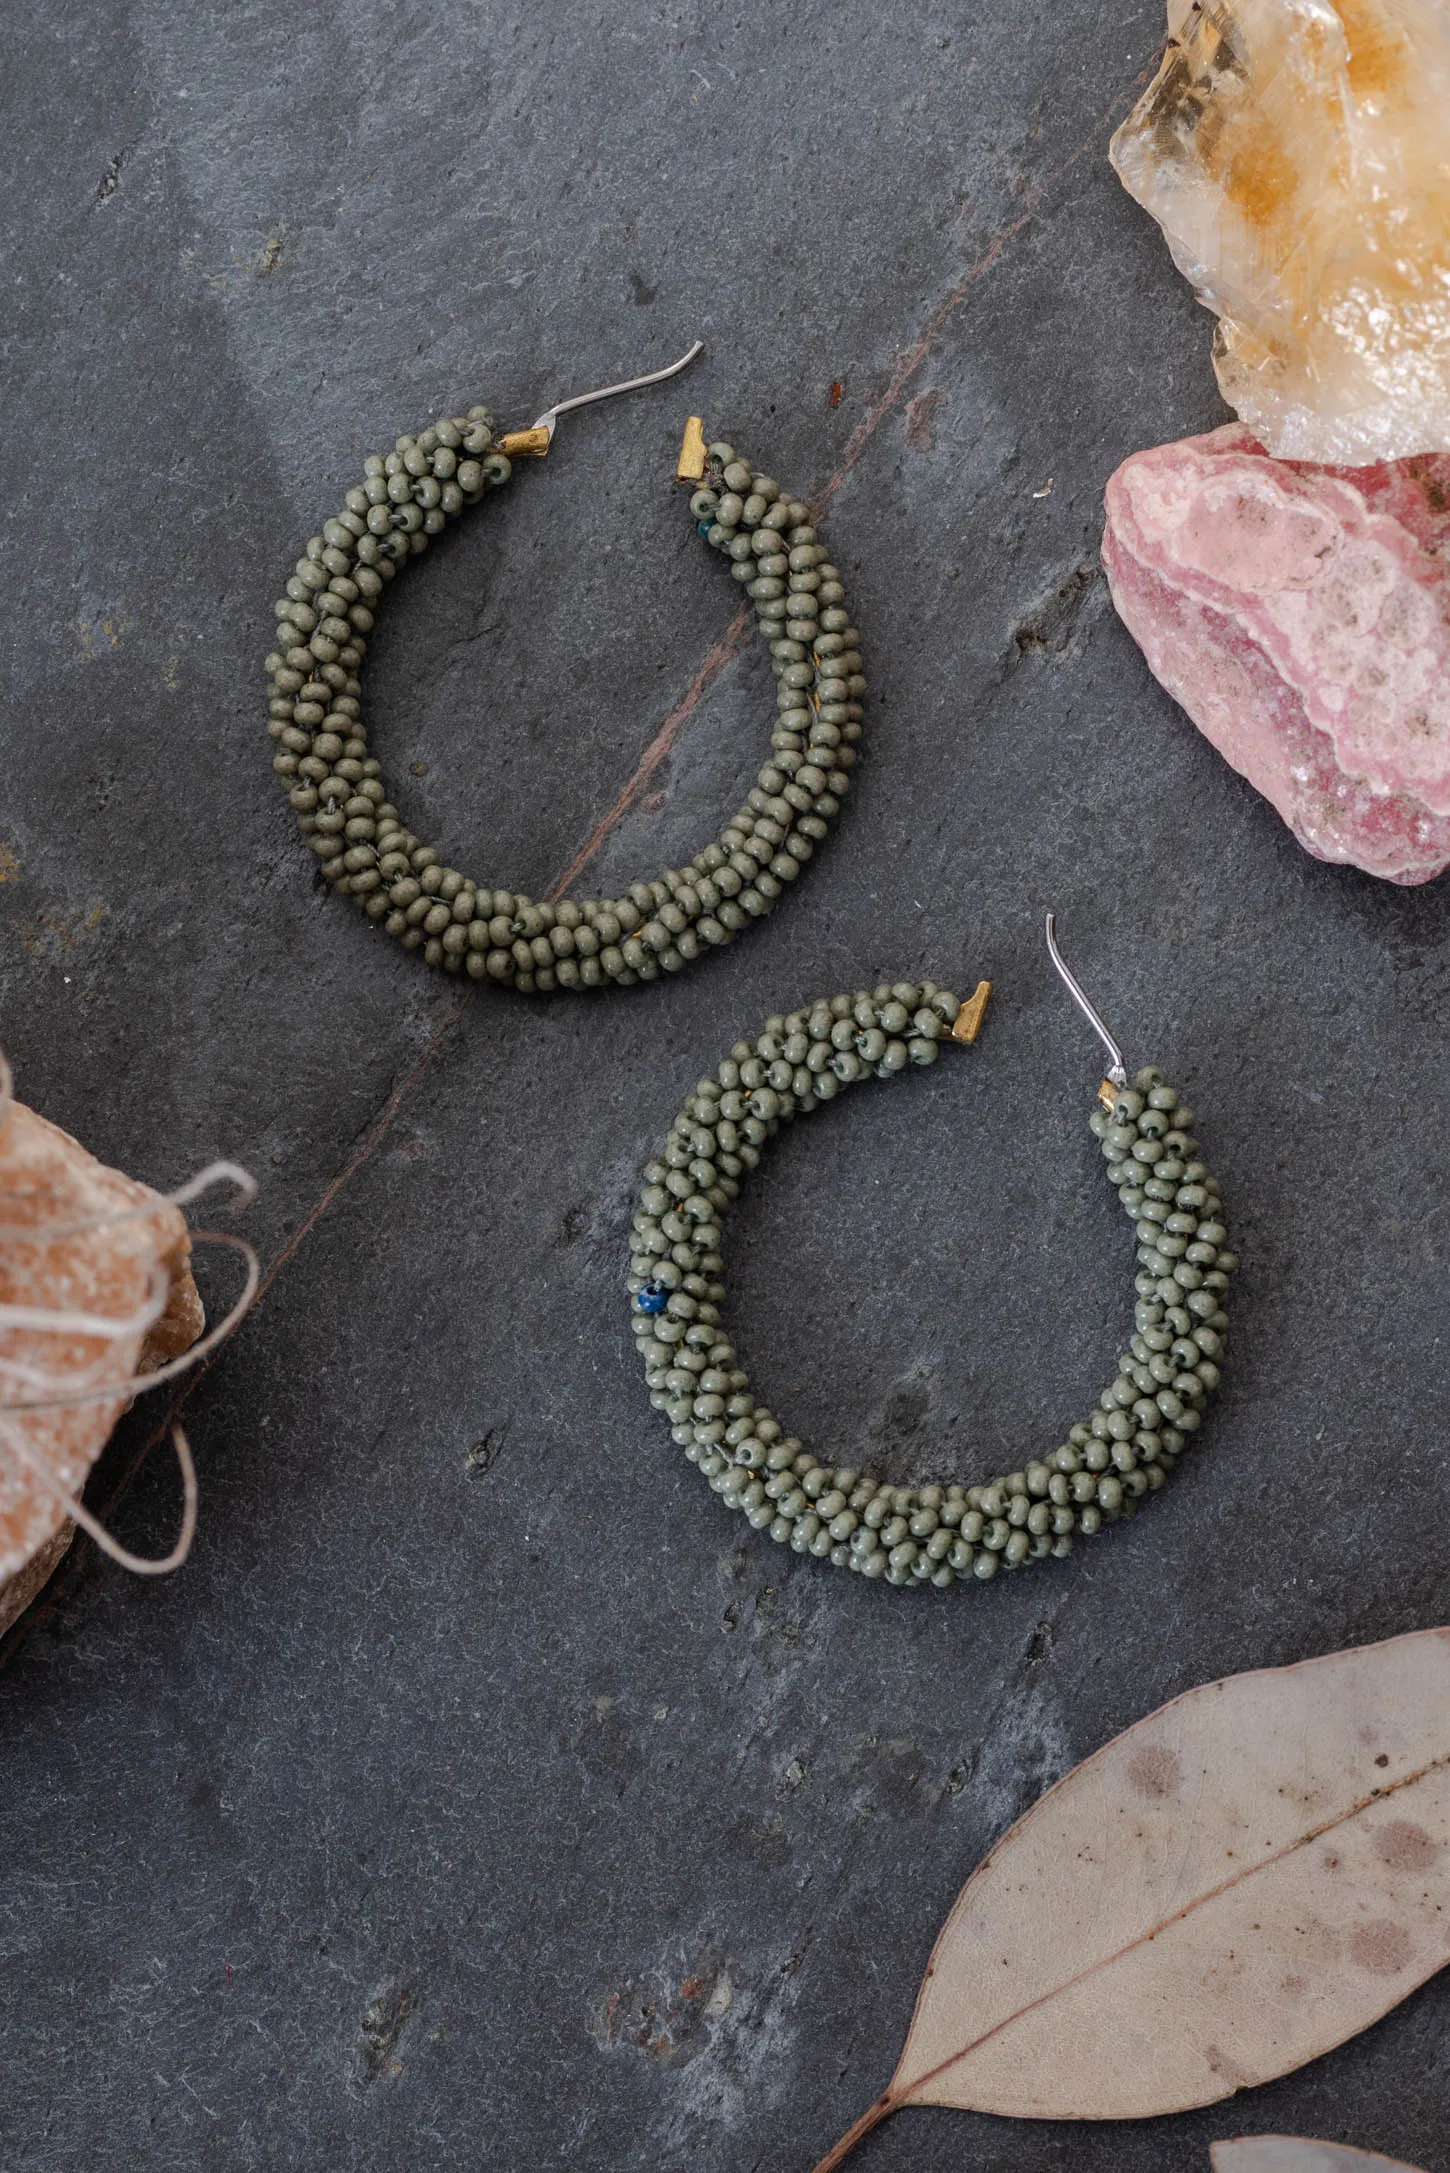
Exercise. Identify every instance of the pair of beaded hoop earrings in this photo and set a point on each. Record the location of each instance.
(931, 1534)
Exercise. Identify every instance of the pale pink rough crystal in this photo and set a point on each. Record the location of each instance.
(1301, 615)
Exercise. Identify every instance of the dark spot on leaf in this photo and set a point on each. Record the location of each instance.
(1155, 1771)
(1405, 1847)
(640, 292)
(1220, 2063)
(1383, 1947)
(1383, 1759)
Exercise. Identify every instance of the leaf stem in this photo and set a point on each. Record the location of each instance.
(885, 2104)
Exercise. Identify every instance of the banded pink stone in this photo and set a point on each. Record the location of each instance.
(1301, 615)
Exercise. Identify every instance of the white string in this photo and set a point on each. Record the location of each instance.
(137, 1384)
(115, 1328)
(44, 1233)
(217, 1173)
(142, 1565)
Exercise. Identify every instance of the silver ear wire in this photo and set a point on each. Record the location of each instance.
(1117, 1069)
(540, 436)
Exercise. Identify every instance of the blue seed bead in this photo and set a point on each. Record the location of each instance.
(934, 1534)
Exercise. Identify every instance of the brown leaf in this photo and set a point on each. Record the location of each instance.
(1292, 2154)
(1251, 1875)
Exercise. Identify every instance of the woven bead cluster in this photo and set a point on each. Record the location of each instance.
(932, 1534)
(369, 855)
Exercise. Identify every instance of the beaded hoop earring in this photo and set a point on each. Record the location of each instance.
(336, 787)
(932, 1534)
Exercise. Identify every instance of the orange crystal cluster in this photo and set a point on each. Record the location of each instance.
(1296, 154)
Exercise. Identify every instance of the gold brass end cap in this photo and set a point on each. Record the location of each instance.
(968, 1022)
(691, 464)
(514, 442)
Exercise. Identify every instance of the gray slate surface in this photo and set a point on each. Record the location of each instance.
(439, 1816)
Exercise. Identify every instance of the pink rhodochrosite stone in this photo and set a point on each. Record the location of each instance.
(1301, 615)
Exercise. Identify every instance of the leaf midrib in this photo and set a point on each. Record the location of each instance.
(1200, 1901)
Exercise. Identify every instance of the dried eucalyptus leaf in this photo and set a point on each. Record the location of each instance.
(1293, 2154)
(1251, 1875)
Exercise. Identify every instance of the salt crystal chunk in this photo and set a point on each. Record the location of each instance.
(49, 1185)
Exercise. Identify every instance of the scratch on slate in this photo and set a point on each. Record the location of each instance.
(717, 658)
(372, 1138)
(906, 367)
(110, 180)
(368, 1147)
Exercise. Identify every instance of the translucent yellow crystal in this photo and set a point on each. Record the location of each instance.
(1296, 154)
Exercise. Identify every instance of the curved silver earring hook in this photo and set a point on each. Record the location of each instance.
(607, 392)
(1117, 1069)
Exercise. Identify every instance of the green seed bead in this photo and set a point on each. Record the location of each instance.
(327, 611)
(933, 1534)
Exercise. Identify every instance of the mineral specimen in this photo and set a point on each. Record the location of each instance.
(1301, 615)
(75, 1238)
(1297, 155)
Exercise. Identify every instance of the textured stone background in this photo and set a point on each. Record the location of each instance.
(443, 1816)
